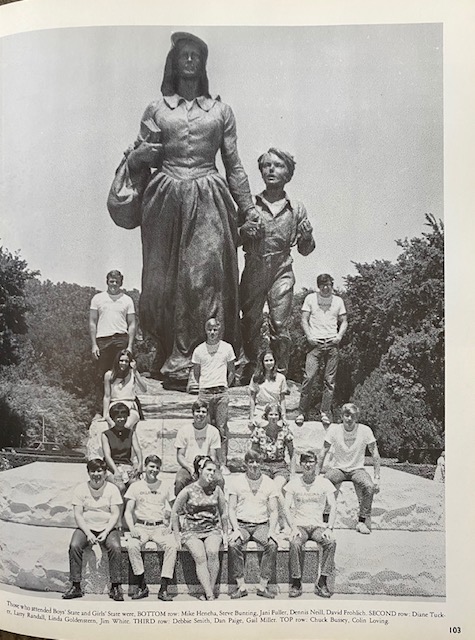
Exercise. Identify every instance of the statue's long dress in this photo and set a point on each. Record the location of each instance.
(189, 231)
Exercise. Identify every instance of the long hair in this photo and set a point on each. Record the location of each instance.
(170, 76)
(200, 462)
(260, 371)
(116, 372)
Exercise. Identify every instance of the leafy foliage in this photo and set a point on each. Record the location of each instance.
(22, 405)
(14, 274)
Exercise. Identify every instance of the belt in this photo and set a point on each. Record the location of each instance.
(215, 389)
(254, 524)
(149, 523)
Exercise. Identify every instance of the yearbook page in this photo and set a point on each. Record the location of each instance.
(236, 362)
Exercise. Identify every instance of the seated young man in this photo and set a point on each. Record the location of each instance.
(147, 515)
(197, 439)
(349, 441)
(96, 506)
(305, 500)
(253, 513)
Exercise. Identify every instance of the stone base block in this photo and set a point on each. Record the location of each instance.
(402, 563)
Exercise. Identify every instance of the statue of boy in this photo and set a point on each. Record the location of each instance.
(268, 275)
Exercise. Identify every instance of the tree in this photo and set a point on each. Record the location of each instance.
(14, 274)
(24, 402)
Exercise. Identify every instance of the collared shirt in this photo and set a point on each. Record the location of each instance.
(273, 450)
(192, 135)
(279, 230)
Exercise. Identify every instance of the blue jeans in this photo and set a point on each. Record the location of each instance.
(323, 358)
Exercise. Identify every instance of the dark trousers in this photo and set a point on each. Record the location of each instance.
(110, 346)
(322, 359)
(79, 543)
(258, 533)
(296, 551)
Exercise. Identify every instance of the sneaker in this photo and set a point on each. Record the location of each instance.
(265, 593)
(362, 527)
(165, 596)
(142, 592)
(115, 593)
(300, 419)
(73, 592)
(239, 593)
(295, 592)
(322, 591)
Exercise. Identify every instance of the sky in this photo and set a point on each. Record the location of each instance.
(360, 108)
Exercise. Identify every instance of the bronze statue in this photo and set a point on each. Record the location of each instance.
(169, 185)
(268, 275)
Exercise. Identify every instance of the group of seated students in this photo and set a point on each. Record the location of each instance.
(202, 512)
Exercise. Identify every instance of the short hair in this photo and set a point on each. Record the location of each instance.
(253, 456)
(285, 156)
(272, 407)
(118, 406)
(115, 273)
(349, 407)
(199, 404)
(308, 455)
(218, 323)
(200, 462)
(153, 458)
(323, 278)
(96, 464)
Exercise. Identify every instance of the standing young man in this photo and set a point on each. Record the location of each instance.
(213, 368)
(96, 505)
(349, 441)
(111, 322)
(197, 439)
(268, 275)
(147, 515)
(253, 512)
(305, 499)
(324, 323)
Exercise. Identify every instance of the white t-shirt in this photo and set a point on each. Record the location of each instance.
(269, 391)
(310, 437)
(96, 504)
(112, 313)
(349, 446)
(214, 367)
(252, 507)
(324, 314)
(309, 500)
(152, 501)
(197, 442)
